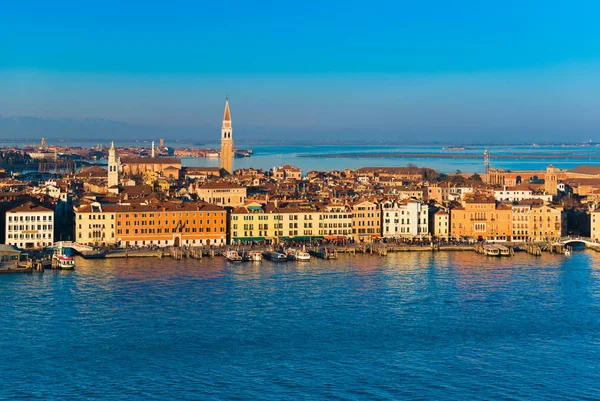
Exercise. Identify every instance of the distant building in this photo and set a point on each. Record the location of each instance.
(222, 194)
(30, 226)
(287, 172)
(169, 167)
(113, 166)
(226, 141)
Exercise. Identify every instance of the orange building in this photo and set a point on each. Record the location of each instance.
(171, 223)
(482, 219)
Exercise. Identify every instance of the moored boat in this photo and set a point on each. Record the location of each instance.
(256, 256)
(275, 256)
(232, 256)
(63, 262)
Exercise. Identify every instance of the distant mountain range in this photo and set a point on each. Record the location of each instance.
(24, 128)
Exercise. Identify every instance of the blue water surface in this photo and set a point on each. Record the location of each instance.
(443, 326)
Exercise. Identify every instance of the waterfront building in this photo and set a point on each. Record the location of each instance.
(253, 223)
(95, 224)
(335, 222)
(480, 218)
(520, 221)
(404, 219)
(29, 226)
(440, 224)
(366, 221)
(226, 141)
(595, 225)
(170, 223)
(546, 223)
(299, 223)
(222, 193)
(113, 166)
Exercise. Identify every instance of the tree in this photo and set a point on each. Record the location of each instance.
(475, 177)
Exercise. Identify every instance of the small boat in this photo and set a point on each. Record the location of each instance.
(290, 254)
(298, 255)
(233, 256)
(246, 256)
(567, 251)
(256, 256)
(275, 256)
(63, 262)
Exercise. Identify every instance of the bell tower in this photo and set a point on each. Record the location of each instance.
(113, 166)
(226, 141)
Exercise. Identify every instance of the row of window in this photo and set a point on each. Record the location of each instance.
(29, 227)
(29, 218)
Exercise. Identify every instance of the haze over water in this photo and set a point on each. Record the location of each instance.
(408, 326)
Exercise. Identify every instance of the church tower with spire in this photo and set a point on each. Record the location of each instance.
(113, 166)
(226, 141)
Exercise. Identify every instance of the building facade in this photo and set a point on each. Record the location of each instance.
(171, 223)
(95, 224)
(29, 226)
(366, 221)
(222, 194)
(408, 218)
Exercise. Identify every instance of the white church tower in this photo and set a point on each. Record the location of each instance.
(113, 166)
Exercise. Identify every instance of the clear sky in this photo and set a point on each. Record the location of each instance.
(393, 70)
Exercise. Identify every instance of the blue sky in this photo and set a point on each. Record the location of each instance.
(465, 70)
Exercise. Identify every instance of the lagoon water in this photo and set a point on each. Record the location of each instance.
(409, 326)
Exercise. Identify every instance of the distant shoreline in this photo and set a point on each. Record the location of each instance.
(446, 156)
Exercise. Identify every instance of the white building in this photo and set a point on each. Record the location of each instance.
(30, 226)
(335, 221)
(408, 218)
(517, 194)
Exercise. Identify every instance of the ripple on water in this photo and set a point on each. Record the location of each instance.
(419, 325)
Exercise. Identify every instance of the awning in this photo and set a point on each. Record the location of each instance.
(330, 237)
(249, 239)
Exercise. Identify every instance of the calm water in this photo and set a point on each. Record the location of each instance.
(417, 326)
(268, 156)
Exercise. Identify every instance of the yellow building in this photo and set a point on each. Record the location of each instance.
(366, 221)
(95, 224)
(258, 222)
(226, 141)
(252, 222)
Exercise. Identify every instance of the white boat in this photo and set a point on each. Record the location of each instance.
(61, 261)
(567, 251)
(256, 256)
(302, 256)
(233, 256)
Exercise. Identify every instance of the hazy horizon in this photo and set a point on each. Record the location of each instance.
(440, 72)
